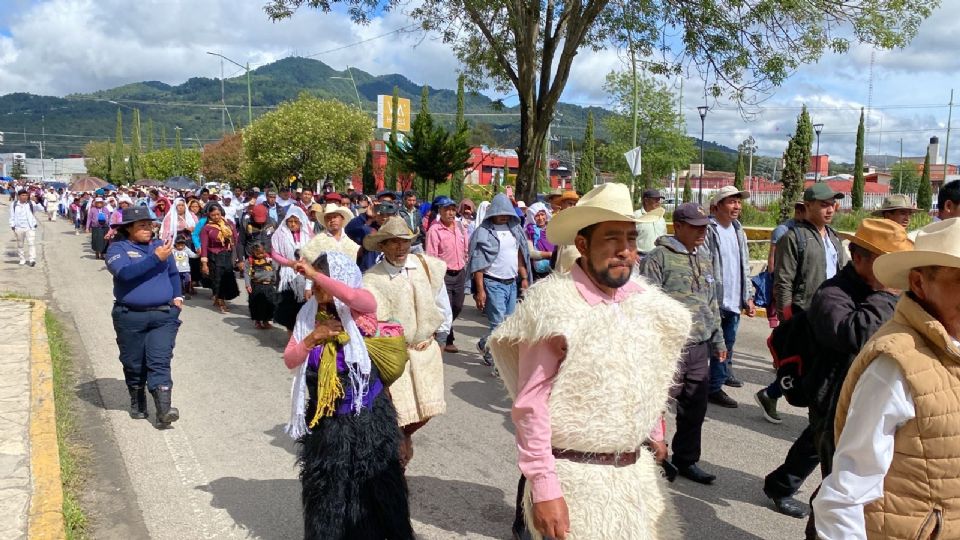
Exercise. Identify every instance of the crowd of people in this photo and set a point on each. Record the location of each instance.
(575, 290)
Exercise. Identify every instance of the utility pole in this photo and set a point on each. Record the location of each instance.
(43, 171)
(946, 149)
(223, 102)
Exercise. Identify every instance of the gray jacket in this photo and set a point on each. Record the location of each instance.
(795, 281)
(484, 244)
(713, 243)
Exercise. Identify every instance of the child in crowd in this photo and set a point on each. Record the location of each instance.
(77, 212)
(260, 277)
(182, 255)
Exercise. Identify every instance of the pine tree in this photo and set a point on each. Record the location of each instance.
(149, 135)
(925, 191)
(856, 193)
(738, 176)
(456, 182)
(687, 190)
(369, 179)
(118, 171)
(135, 172)
(586, 173)
(796, 159)
(178, 153)
(163, 137)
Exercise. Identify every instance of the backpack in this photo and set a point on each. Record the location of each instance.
(789, 344)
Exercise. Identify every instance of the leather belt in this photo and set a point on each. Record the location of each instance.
(509, 281)
(139, 309)
(621, 459)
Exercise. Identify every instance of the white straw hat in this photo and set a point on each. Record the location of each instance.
(937, 244)
(606, 202)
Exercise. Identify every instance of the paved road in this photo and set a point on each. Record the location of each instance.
(227, 471)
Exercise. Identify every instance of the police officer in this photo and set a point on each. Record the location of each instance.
(146, 311)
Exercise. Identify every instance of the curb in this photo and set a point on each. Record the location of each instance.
(46, 500)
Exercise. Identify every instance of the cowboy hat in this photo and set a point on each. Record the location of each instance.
(894, 202)
(394, 227)
(879, 236)
(937, 244)
(728, 191)
(132, 215)
(606, 202)
(334, 209)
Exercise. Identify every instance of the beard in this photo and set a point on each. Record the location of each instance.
(605, 276)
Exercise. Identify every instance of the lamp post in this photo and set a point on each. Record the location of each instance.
(817, 128)
(352, 80)
(249, 90)
(703, 115)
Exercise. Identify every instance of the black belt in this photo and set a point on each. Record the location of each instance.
(454, 272)
(509, 281)
(139, 309)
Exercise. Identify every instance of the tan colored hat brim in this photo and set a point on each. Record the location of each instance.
(893, 269)
(854, 239)
(347, 215)
(879, 212)
(373, 240)
(563, 228)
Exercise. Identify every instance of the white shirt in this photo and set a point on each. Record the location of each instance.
(285, 203)
(881, 403)
(21, 215)
(730, 255)
(442, 300)
(832, 257)
(505, 266)
(647, 233)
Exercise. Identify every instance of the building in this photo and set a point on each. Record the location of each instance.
(61, 170)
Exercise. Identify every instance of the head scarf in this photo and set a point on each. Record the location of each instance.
(286, 244)
(355, 353)
(481, 213)
(171, 222)
(224, 232)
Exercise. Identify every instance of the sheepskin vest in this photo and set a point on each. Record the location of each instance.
(922, 488)
(410, 301)
(620, 360)
(325, 242)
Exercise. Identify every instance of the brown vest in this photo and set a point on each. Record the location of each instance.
(921, 491)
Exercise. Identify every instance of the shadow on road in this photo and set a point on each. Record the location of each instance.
(701, 521)
(108, 394)
(268, 509)
(460, 507)
(749, 416)
(281, 440)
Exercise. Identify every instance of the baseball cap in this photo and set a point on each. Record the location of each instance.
(652, 194)
(820, 191)
(386, 193)
(443, 201)
(728, 191)
(387, 207)
(691, 214)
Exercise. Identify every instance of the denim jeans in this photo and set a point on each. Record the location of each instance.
(501, 301)
(719, 371)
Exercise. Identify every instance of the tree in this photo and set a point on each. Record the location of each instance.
(529, 46)
(925, 190)
(738, 176)
(223, 160)
(118, 170)
(660, 132)
(178, 164)
(687, 190)
(856, 193)
(163, 137)
(149, 134)
(392, 172)
(586, 170)
(456, 181)
(368, 176)
(135, 172)
(431, 152)
(18, 169)
(165, 163)
(96, 156)
(905, 178)
(317, 138)
(796, 159)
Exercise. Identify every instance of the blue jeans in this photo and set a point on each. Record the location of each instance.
(146, 340)
(501, 302)
(719, 371)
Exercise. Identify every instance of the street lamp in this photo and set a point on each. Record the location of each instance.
(352, 80)
(249, 91)
(703, 115)
(817, 128)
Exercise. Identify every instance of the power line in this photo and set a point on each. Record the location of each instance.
(347, 46)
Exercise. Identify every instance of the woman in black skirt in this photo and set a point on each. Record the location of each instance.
(217, 240)
(290, 237)
(98, 225)
(342, 417)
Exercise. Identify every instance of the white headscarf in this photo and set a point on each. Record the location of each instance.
(284, 243)
(171, 222)
(482, 212)
(355, 354)
(535, 209)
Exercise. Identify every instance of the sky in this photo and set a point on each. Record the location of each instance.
(58, 47)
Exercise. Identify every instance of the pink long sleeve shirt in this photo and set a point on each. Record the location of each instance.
(539, 363)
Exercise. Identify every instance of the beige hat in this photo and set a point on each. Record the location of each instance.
(937, 244)
(394, 227)
(894, 202)
(728, 191)
(606, 202)
(879, 236)
(334, 209)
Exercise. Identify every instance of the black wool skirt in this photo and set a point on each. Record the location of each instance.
(223, 282)
(287, 309)
(262, 301)
(97, 241)
(353, 487)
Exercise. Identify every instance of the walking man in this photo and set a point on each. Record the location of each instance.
(649, 231)
(448, 242)
(23, 223)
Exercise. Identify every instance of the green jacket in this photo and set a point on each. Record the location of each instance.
(688, 278)
(795, 281)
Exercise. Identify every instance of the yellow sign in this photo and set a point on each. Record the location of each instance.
(385, 113)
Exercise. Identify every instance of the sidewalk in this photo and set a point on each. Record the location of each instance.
(15, 486)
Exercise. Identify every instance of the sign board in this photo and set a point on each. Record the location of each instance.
(385, 113)
(633, 160)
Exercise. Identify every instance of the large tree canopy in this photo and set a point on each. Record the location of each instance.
(316, 138)
(223, 160)
(739, 46)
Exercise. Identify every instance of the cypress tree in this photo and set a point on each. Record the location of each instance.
(586, 174)
(856, 194)
(163, 137)
(149, 135)
(369, 179)
(456, 182)
(738, 176)
(796, 159)
(687, 190)
(135, 172)
(178, 153)
(390, 175)
(117, 169)
(925, 191)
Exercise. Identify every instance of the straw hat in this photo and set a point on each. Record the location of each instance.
(607, 202)
(880, 236)
(394, 227)
(894, 202)
(334, 209)
(569, 195)
(937, 244)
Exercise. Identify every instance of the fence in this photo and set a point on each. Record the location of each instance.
(871, 201)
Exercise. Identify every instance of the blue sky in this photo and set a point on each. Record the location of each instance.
(56, 47)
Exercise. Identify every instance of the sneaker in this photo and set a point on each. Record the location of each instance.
(23, 262)
(768, 405)
(485, 355)
(722, 399)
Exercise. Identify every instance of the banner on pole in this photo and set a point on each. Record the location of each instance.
(633, 160)
(385, 113)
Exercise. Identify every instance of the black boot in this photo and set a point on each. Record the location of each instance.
(165, 413)
(138, 402)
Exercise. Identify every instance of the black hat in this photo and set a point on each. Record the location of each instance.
(387, 193)
(691, 214)
(389, 208)
(133, 214)
(652, 194)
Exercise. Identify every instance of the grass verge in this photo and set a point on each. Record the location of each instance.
(70, 450)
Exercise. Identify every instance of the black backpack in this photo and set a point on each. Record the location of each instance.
(789, 344)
